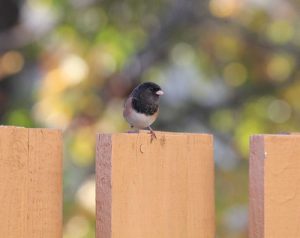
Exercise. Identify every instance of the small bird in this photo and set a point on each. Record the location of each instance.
(142, 106)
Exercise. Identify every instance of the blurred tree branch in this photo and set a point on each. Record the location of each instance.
(184, 13)
(9, 14)
(180, 14)
(258, 39)
(9, 17)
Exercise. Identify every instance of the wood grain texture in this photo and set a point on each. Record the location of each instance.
(281, 187)
(30, 183)
(163, 189)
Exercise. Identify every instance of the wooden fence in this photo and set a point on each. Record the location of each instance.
(274, 186)
(30, 183)
(161, 189)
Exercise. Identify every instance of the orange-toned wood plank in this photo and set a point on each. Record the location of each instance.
(30, 183)
(163, 189)
(279, 170)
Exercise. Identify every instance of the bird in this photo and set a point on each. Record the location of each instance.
(141, 108)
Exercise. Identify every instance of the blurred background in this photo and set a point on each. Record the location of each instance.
(228, 67)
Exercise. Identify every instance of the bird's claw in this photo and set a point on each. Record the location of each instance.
(153, 136)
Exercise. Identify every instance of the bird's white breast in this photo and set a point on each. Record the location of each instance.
(139, 120)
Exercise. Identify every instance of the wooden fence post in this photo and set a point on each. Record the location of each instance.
(274, 186)
(30, 183)
(163, 189)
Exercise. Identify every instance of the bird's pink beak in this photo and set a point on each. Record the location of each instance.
(160, 92)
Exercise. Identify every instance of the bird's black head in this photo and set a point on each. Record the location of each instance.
(146, 97)
(149, 92)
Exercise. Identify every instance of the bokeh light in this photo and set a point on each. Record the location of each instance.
(280, 67)
(11, 62)
(76, 227)
(235, 74)
(75, 69)
(279, 111)
(224, 8)
(227, 47)
(86, 195)
(280, 31)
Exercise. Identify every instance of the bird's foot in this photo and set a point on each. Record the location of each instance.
(152, 133)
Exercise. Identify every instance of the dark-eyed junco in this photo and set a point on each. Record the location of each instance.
(142, 106)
